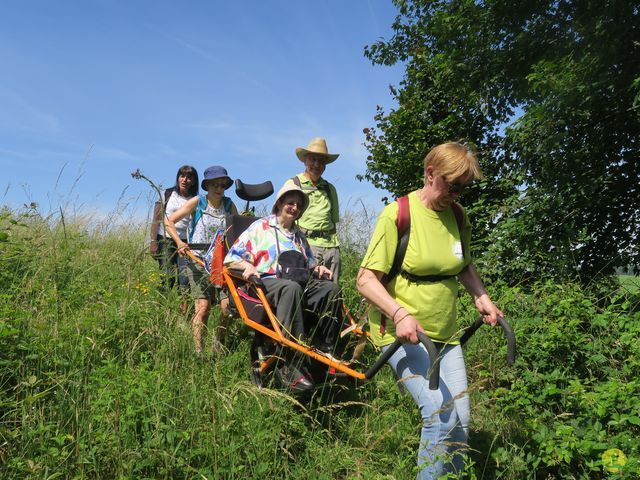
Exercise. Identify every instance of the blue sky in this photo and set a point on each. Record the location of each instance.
(93, 89)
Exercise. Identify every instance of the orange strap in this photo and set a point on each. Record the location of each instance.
(217, 262)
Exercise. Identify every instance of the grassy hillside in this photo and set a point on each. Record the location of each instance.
(98, 380)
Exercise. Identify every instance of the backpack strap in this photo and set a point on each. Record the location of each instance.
(326, 189)
(323, 187)
(226, 204)
(197, 215)
(167, 195)
(403, 223)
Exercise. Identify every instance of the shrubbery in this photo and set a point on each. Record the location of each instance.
(99, 380)
(573, 394)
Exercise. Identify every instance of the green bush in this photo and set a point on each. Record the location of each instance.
(573, 393)
(99, 380)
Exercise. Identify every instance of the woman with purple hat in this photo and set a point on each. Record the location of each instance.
(208, 216)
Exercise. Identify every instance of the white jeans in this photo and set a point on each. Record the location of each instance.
(445, 412)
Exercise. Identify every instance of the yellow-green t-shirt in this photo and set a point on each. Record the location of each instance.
(322, 214)
(434, 248)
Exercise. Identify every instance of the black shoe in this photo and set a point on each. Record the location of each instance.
(325, 348)
(292, 378)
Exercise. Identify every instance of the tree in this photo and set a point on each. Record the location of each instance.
(548, 91)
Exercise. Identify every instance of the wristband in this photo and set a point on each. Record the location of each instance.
(393, 317)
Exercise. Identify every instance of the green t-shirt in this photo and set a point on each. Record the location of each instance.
(434, 249)
(322, 213)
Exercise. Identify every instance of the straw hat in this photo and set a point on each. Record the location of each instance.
(317, 146)
(290, 187)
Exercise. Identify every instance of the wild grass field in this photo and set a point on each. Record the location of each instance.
(99, 379)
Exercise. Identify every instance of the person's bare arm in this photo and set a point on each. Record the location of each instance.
(370, 287)
(473, 283)
(247, 268)
(170, 223)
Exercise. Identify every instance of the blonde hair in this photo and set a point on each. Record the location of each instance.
(453, 160)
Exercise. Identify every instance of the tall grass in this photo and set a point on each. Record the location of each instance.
(99, 379)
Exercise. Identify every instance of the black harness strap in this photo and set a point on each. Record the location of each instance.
(424, 278)
(403, 223)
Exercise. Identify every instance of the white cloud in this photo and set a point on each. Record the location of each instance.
(112, 153)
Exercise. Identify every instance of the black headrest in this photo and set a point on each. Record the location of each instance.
(253, 192)
(236, 224)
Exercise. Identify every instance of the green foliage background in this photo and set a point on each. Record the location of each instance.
(99, 380)
(548, 92)
(97, 373)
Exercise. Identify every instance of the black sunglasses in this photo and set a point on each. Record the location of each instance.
(456, 187)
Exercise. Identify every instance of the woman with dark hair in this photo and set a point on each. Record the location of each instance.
(162, 246)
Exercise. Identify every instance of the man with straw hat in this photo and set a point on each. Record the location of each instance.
(318, 223)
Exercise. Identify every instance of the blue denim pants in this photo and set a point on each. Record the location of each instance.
(445, 412)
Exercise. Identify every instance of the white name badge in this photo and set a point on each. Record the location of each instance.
(457, 250)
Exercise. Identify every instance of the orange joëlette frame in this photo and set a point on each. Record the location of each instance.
(275, 333)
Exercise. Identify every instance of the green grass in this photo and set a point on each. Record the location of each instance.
(99, 380)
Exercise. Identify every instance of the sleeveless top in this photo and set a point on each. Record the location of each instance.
(206, 227)
(174, 203)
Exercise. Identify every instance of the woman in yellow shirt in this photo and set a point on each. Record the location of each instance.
(422, 298)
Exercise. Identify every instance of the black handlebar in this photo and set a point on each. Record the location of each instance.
(434, 360)
(508, 332)
(433, 350)
(382, 359)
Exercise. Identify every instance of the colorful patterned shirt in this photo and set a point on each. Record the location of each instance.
(257, 245)
(205, 230)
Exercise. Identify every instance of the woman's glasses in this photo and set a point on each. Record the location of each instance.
(456, 187)
(216, 185)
